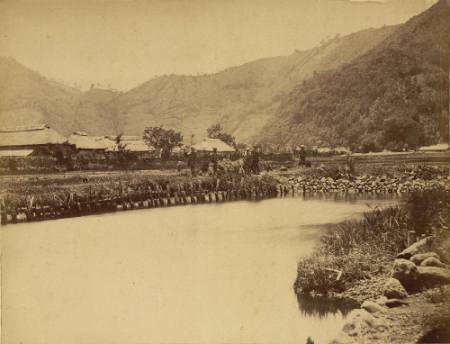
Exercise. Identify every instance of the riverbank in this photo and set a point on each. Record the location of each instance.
(423, 319)
(392, 310)
(34, 199)
(43, 197)
(358, 261)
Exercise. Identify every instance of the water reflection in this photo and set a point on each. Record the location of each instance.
(193, 274)
(349, 197)
(321, 307)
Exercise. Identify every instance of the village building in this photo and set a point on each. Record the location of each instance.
(324, 150)
(134, 145)
(207, 146)
(87, 146)
(440, 147)
(30, 140)
(83, 141)
(331, 150)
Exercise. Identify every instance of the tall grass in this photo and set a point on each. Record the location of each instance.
(363, 248)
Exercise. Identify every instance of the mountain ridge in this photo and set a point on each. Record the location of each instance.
(242, 98)
(377, 88)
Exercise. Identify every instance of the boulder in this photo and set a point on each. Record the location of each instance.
(432, 261)
(382, 299)
(393, 289)
(432, 276)
(396, 303)
(372, 307)
(420, 257)
(407, 273)
(421, 246)
(358, 321)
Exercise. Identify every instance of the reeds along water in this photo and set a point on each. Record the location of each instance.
(364, 247)
(148, 195)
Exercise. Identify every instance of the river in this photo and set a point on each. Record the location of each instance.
(216, 273)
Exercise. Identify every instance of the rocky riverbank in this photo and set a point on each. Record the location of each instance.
(376, 262)
(410, 305)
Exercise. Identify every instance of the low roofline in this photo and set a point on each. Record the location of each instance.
(24, 128)
(3, 147)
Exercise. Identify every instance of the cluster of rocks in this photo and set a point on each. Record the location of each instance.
(368, 184)
(416, 268)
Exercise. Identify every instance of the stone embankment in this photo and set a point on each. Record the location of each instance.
(366, 184)
(396, 314)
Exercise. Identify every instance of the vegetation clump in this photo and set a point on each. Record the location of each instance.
(362, 249)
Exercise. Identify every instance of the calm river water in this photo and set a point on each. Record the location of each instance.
(219, 273)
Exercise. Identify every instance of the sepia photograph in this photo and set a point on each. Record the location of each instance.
(224, 172)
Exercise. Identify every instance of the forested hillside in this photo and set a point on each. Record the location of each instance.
(393, 95)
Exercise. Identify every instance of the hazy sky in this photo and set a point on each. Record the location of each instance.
(121, 44)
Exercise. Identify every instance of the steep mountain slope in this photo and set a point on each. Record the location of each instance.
(29, 98)
(396, 93)
(241, 98)
(97, 112)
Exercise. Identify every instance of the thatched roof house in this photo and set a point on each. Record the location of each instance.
(208, 145)
(83, 141)
(131, 143)
(26, 138)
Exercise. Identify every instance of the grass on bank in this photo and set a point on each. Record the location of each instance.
(24, 193)
(364, 248)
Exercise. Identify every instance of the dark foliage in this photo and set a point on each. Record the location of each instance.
(164, 139)
(394, 95)
(216, 131)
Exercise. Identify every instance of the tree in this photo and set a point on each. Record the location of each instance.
(123, 153)
(216, 132)
(62, 154)
(401, 130)
(121, 147)
(164, 139)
